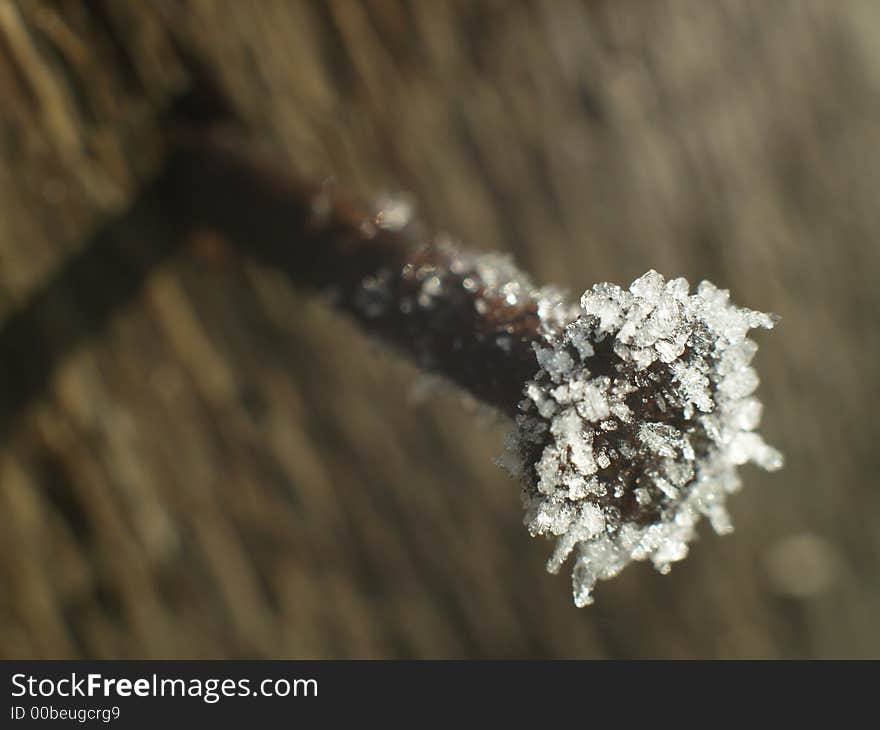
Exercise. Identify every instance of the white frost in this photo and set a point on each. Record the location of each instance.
(634, 425)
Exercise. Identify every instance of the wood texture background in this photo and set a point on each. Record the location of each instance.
(224, 467)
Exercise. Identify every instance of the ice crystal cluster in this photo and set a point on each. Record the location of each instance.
(634, 425)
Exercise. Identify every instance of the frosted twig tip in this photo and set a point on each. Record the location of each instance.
(632, 412)
(634, 424)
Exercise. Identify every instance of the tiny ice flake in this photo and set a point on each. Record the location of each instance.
(394, 213)
(634, 424)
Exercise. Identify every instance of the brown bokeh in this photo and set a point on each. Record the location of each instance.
(198, 460)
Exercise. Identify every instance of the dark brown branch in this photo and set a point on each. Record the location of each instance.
(470, 318)
(464, 328)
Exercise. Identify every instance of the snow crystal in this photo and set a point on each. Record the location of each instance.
(634, 424)
(394, 213)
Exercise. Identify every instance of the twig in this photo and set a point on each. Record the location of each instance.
(632, 412)
(473, 318)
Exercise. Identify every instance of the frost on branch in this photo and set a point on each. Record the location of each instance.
(635, 423)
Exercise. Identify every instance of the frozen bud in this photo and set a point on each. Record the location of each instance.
(634, 425)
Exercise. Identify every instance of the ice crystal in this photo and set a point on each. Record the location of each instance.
(633, 426)
(489, 278)
(394, 213)
(495, 275)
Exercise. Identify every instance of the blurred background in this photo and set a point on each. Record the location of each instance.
(197, 460)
